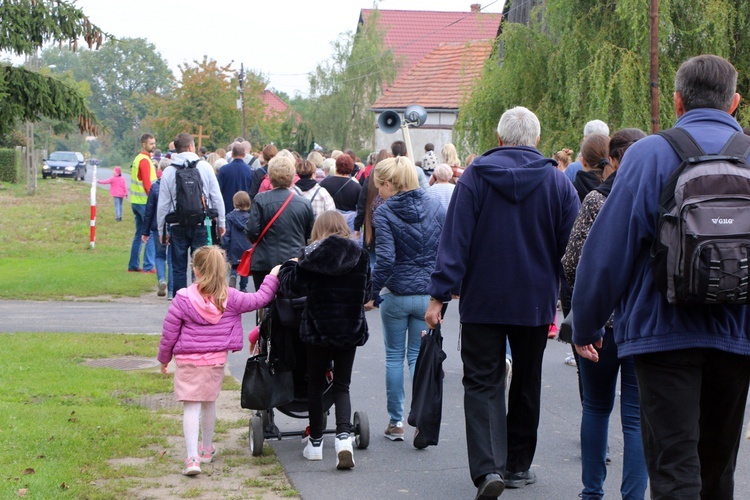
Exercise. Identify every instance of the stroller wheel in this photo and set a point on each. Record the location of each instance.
(361, 430)
(256, 436)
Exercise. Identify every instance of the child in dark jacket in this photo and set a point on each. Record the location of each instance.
(234, 240)
(333, 272)
(203, 324)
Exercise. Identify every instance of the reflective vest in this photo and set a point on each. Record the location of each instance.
(138, 195)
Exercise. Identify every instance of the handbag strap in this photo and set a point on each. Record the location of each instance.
(273, 219)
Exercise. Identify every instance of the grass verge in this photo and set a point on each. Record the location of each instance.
(68, 430)
(44, 244)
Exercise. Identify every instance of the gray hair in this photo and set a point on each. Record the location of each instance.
(595, 127)
(519, 127)
(706, 81)
(443, 172)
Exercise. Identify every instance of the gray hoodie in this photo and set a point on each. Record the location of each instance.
(168, 189)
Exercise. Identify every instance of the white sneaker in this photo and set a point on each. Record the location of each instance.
(344, 452)
(313, 450)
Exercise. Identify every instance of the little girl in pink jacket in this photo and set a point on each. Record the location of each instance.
(202, 325)
(118, 190)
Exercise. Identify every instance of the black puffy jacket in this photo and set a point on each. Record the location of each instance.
(334, 275)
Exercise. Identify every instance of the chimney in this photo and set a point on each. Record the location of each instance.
(476, 7)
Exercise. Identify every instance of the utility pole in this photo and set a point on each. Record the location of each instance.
(241, 103)
(654, 77)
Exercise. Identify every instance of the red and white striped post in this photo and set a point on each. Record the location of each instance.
(92, 236)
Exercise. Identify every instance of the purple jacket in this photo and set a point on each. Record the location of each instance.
(185, 331)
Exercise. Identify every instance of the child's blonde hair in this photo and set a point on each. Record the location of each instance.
(329, 223)
(210, 262)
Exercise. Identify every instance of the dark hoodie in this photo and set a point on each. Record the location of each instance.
(334, 274)
(505, 232)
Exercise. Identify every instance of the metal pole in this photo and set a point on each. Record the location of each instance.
(654, 77)
(92, 233)
(242, 97)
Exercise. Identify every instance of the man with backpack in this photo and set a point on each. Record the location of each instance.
(188, 197)
(686, 324)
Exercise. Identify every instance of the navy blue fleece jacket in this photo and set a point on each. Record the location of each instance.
(615, 263)
(505, 232)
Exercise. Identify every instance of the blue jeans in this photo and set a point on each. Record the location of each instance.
(403, 321)
(599, 384)
(161, 256)
(118, 207)
(184, 240)
(149, 255)
(243, 279)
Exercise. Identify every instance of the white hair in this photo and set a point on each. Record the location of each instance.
(595, 127)
(443, 172)
(519, 127)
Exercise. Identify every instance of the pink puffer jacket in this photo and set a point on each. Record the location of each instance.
(186, 331)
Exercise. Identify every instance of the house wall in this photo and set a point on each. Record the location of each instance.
(438, 129)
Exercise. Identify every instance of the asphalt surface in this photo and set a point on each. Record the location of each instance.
(385, 469)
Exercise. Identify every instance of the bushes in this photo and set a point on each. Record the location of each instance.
(10, 168)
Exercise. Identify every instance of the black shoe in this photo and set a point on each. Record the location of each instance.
(519, 479)
(420, 442)
(492, 486)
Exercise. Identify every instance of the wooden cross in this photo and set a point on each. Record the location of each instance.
(200, 137)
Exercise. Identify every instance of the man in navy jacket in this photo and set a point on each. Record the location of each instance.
(234, 177)
(505, 232)
(692, 363)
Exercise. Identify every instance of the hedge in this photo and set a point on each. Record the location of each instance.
(10, 168)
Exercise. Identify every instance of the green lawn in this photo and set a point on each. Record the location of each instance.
(61, 421)
(44, 244)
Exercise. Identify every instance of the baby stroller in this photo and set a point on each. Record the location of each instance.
(279, 327)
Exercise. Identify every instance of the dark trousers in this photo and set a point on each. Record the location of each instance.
(184, 240)
(496, 442)
(692, 408)
(318, 361)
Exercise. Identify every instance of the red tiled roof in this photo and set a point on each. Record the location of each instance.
(441, 79)
(273, 103)
(413, 34)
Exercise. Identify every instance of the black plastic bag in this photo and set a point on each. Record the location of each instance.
(427, 390)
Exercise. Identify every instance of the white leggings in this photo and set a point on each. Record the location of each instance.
(198, 415)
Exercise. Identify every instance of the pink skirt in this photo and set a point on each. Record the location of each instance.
(198, 383)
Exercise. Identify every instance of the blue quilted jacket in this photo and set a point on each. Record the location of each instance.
(408, 226)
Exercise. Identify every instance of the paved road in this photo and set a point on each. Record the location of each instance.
(386, 469)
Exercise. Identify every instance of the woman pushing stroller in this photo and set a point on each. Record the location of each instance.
(333, 272)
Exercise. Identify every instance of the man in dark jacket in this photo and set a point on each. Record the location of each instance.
(235, 176)
(692, 362)
(505, 232)
(289, 232)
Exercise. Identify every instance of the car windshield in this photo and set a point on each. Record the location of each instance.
(62, 156)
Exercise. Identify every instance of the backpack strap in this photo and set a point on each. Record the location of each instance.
(315, 194)
(738, 146)
(342, 187)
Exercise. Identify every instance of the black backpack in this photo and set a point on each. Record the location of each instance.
(189, 201)
(702, 242)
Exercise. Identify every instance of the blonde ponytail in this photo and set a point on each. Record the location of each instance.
(211, 264)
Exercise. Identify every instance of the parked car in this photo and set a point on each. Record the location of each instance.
(65, 164)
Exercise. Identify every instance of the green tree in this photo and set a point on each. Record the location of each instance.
(25, 26)
(579, 60)
(121, 75)
(206, 97)
(344, 87)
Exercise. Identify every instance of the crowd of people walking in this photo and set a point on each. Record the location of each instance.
(511, 234)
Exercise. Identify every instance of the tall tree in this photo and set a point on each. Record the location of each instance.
(580, 60)
(344, 87)
(25, 26)
(205, 96)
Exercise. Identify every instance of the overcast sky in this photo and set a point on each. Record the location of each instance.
(283, 39)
